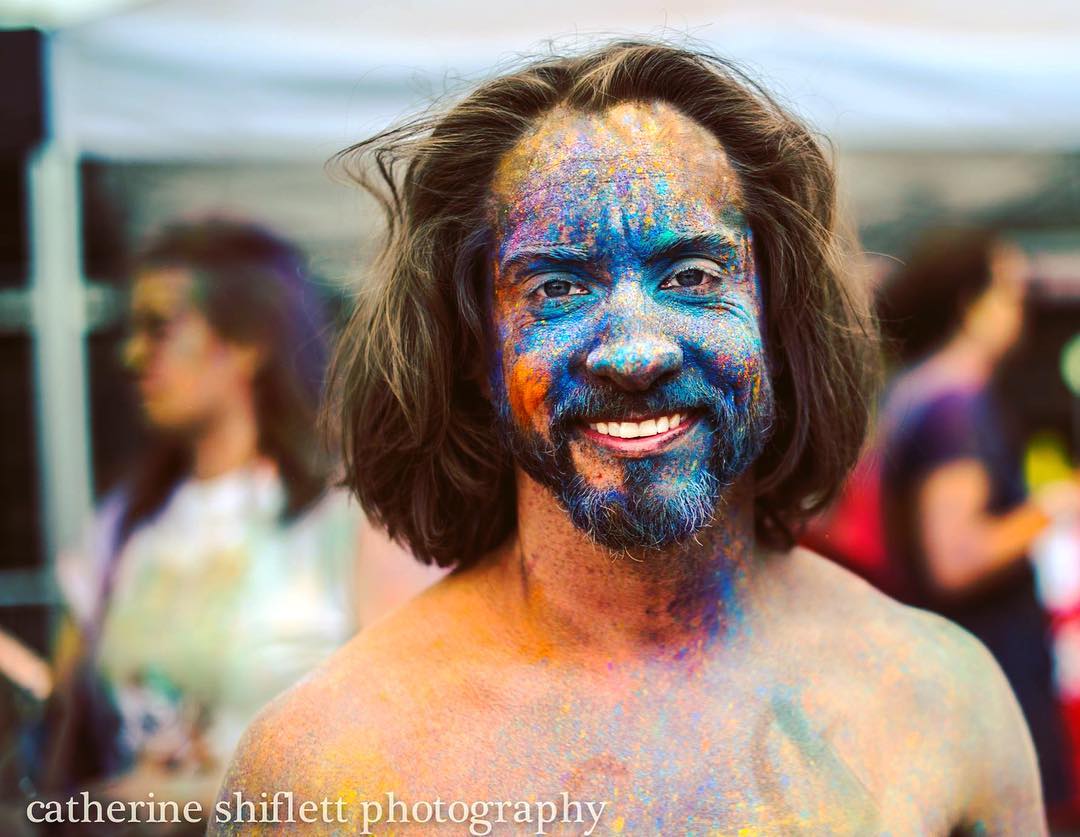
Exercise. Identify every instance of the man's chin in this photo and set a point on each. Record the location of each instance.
(644, 506)
(650, 520)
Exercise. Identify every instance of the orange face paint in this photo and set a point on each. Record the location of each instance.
(528, 387)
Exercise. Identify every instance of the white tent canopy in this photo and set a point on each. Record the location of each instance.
(196, 78)
(249, 79)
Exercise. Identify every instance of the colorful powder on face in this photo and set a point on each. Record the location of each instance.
(527, 389)
(594, 214)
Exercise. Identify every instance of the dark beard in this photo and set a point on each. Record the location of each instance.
(638, 514)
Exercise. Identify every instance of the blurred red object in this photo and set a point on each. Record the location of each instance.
(1056, 555)
(851, 531)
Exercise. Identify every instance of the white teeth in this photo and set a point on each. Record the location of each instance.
(636, 429)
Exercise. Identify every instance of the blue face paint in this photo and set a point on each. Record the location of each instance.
(625, 299)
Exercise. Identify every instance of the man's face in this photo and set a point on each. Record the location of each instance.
(630, 376)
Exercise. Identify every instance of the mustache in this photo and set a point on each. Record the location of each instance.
(592, 403)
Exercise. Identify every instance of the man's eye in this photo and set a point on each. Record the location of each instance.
(690, 277)
(555, 288)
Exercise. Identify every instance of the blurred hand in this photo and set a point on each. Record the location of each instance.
(1059, 499)
(23, 667)
(179, 748)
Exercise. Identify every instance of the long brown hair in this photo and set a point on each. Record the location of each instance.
(253, 287)
(418, 434)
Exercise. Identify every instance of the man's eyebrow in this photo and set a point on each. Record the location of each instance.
(545, 252)
(669, 247)
(672, 247)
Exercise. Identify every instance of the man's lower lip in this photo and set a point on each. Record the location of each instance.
(642, 444)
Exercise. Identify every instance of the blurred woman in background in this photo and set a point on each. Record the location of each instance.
(224, 569)
(957, 525)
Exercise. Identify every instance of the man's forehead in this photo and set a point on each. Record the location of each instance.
(614, 182)
(629, 142)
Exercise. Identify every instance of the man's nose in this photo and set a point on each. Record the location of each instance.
(635, 361)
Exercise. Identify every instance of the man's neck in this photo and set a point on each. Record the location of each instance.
(675, 604)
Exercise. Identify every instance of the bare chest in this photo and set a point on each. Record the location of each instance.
(751, 761)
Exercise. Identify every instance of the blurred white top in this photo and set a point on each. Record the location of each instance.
(216, 607)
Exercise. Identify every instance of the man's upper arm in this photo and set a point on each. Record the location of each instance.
(261, 762)
(302, 747)
(1005, 795)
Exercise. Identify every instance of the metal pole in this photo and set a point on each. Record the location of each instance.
(59, 328)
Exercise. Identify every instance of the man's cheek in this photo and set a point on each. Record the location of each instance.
(741, 367)
(754, 376)
(528, 385)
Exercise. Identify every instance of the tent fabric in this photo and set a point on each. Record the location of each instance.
(271, 78)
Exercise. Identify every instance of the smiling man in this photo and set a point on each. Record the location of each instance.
(631, 378)
(609, 361)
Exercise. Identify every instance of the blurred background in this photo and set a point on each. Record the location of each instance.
(122, 116)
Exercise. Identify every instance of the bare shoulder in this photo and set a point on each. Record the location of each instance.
(926, 654)
(937, 683)
(339, 731)
(850, 608)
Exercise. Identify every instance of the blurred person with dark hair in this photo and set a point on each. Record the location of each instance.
(224, 569)
(617, 340)
(956, 521)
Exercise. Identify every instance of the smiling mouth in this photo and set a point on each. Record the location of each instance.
(641, 436)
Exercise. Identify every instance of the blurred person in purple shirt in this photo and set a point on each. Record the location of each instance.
(958, 525)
